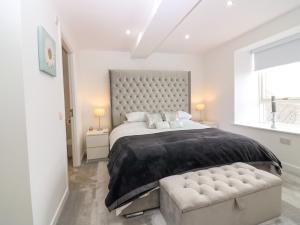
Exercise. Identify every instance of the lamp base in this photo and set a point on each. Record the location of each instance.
(99, 126)
(273, 121)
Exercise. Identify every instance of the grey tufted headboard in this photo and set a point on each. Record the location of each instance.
(148, 91)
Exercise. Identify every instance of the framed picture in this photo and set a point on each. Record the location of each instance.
(47, 52)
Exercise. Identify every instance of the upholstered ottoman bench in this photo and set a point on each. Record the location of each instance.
(236, 194)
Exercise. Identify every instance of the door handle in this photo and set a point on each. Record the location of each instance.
(71, 113)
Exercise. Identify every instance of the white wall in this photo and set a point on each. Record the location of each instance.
(15, 203)
(44, 103)
(93, 78)
(219, 88)
(33, 144)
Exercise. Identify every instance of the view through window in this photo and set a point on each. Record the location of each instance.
(283, 82)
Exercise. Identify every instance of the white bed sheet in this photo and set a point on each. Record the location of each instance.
(140, 128)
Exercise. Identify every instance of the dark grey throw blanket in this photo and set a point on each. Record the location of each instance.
(137, 163)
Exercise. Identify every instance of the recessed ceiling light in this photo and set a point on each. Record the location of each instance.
(187, 36)
(128, 32)
(229, 3)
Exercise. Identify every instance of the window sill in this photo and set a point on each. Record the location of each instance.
(280, 128)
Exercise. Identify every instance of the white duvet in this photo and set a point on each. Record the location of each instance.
(140, 128)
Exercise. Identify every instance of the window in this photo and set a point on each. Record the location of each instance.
(277, 65)
(268, 68)
(283, 82)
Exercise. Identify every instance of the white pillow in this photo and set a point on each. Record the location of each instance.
(170, 116)
(152, 118)
(162, 125)
(176, 124)
(184, 115)
(136, 117)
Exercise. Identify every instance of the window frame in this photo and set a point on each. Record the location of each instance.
(262, 96)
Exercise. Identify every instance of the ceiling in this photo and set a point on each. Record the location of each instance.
(212, 23)
(101, 24)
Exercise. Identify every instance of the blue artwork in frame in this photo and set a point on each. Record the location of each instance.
(47, 52)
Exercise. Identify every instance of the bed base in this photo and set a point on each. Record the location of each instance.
(134, 214)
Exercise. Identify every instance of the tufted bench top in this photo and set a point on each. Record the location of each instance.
(194, 190)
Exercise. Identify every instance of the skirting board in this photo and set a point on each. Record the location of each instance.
(291, 168)
(60, 207)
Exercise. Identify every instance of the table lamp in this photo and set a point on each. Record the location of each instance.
(99, 112)
(200, 107)
(273, 106)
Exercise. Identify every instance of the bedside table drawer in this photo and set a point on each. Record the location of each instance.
(212, 125)
(97, 153)
(96, 140)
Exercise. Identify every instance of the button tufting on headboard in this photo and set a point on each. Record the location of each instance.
(149, 91)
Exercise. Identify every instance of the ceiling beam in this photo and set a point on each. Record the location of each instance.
(166, 17)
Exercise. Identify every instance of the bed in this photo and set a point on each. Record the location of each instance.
(139, 156)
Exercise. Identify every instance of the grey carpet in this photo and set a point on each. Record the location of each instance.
(88, 188)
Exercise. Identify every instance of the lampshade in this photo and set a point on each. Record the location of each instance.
(200, 106)
(99, 112)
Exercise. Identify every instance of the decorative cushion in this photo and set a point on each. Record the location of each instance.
(162, 125)
(136, 117)
(170, 116)
(184, 115)
(202, 188)
(152, 118)
(176, 124)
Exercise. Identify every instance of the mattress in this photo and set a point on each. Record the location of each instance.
(140, 128)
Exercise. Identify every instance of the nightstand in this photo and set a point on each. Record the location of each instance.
(213, 124)
(97, 145)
